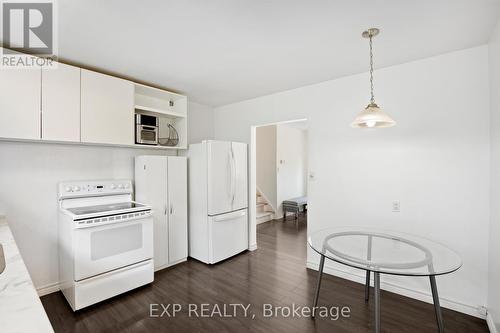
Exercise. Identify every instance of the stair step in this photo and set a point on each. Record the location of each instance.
(262, 217)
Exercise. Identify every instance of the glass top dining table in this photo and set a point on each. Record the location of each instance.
(384, 252)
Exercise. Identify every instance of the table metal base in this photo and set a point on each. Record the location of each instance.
(318, 285)
(377, 301)
(435, 296)
(367, 286)
(437, 306)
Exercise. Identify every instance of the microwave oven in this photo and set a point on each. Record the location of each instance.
(146, 129)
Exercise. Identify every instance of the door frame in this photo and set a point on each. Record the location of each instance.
(252, 185)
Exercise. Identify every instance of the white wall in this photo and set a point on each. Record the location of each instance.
(266, 163)
(291, 153)
(200, 122)
(30, 172)
(435, 161)
(494, 250)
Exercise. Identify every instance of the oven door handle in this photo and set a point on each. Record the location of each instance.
(113, 222)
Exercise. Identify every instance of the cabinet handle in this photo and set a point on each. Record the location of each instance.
(171, 209)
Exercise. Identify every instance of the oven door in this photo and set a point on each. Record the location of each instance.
(101, 249)
(147, 134)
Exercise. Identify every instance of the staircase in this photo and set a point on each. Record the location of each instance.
(264, 211)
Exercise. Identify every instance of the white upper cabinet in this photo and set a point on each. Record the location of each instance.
(20, 91)
(61, 103)
(65, 103)
(107, 109)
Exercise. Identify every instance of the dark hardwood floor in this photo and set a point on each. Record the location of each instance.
(274, 274)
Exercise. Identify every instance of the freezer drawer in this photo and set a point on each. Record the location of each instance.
(229, 235)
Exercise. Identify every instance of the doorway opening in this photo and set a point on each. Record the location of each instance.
(278, 176)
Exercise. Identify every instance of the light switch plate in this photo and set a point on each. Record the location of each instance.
(396, 206)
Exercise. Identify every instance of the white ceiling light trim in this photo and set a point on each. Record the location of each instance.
(372, 116)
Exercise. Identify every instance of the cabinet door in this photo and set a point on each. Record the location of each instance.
(151, 189)
(107, 109)
(177, 218)
(61, 103)
(20, 91)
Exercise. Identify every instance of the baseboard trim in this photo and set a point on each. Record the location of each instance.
(159, 268)
(491, 323)
(252, 247)
(411, 293)
(48, 289)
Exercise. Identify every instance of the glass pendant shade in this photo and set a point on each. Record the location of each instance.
(372, 117)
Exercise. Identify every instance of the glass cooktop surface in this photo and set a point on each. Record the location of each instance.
(107, 208)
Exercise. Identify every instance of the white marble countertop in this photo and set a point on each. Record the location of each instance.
(20, 307)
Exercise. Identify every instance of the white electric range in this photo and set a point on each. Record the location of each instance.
(105, 241)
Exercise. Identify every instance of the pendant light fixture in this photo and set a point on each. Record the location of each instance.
(372, 116)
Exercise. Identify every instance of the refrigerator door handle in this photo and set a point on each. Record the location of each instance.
(233, 176)
(230, 216)
(230, 175)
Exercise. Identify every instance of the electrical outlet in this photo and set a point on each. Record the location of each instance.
(396, 206)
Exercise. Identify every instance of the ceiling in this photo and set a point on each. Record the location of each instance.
(223, 51)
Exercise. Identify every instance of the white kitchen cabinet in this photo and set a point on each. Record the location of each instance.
(107, 109)
(177, 216)
(161, 182)
(20, 103)
(61, 103)
(70, 104)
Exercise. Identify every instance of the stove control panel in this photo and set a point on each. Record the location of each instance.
(94, 188)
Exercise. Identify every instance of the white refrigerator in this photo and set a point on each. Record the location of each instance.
(218, 200)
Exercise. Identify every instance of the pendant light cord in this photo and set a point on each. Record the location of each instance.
(372, 100)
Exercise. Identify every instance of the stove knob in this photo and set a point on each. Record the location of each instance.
(127, 185)
(68, 189)
(120, 186)
(76, 188)
(112, 186)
